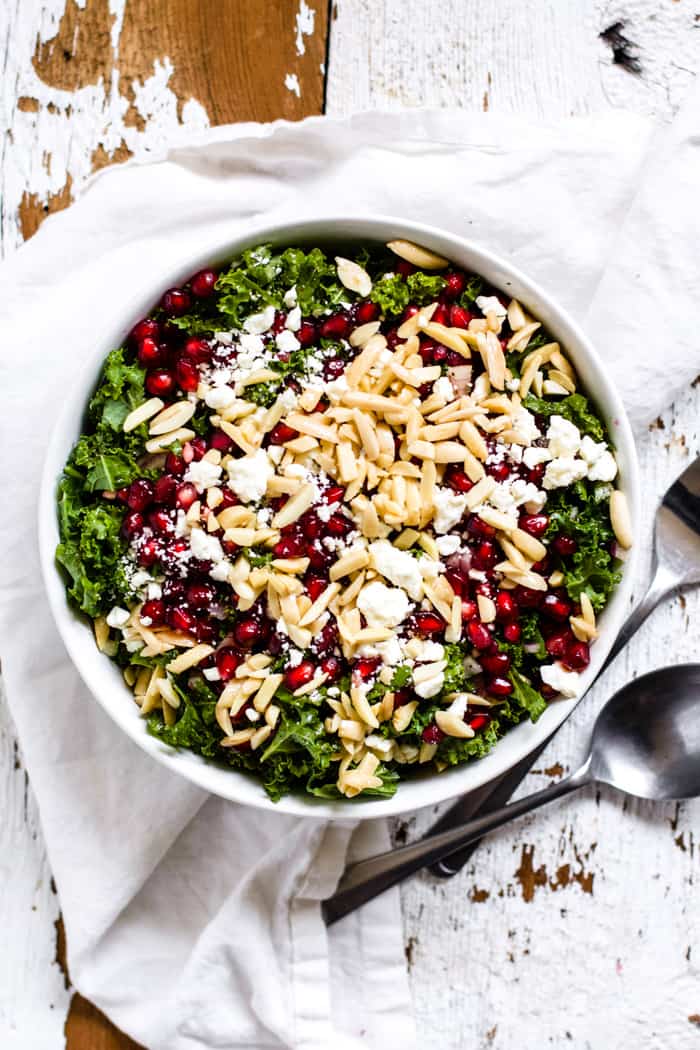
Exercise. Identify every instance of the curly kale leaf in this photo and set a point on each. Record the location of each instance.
(526, 696)
(91, 549)
(583, 513)
(393, 293)
(576, 408)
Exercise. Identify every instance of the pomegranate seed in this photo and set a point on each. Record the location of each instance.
(498, 471)
(337, 525)
(220, 441)
(479, 721)
(181, 620)
(486, 588)
(197, 350)
(547, 691)
(300, 675)
(164, 490)
(542, 567)
(187, 374)
(556, 607)
(332, 667)
(160, 383)
(328, 638)
(288, 547)
(203, 284)
(485, 556)
(366, 312)
(247, 632)
(186, 495)
(320, 560)
(175, 464)
(337, 326)
(227, 660)
(306, 333)
(478, 635)
(403, 696)
(477, 527)
(512, 632)
(148, 553)
(535, 474)
(132, 524)
(455, 581)
(495, 663)
(174, 591)
(459, 481)
(315, 586)
(392, 338)
(176, 302)
(469, 609)
(122, 494)
(334, 494)
(442, 316)
(558, 644)
(365, 668)
(405, 268)
(506, 607)
(228, 498)
(564, 545)
(151, 354)
(199, 448)
(159, 520)
(459, 317)
(200, 595)
(432, 734)
(281, 433)
(147, 328)
(455, 284)
(140, 494)
(534, 524)
(207, 632)
(528, 598)
(429, 623)
(499, 687)
(577, 656)
(153, 611)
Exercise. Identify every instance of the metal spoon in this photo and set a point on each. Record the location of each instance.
(645, 742)
(676, 565)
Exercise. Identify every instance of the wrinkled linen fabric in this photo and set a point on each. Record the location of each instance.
(193, 922)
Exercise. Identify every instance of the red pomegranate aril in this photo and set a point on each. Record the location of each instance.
(564, 545)
(306, 333)
(459, 481)
(176, 302)
(495, 663)
(147, 328)
(485, 556)
(288, 547)
(337, 525)
(148, 554)
(151, 354)
(499, 686)
(555, 606)
(220, 441)
(534, 524)
(459, 317)
(332, 668)
(334, 494)
(512, 632)
(247, 632)
(366, 667)
(203, 284)
(226, 660)
(366, 312)
(337, 326)
(577, 656)
(140, 494)
(175, 464)
(200, 595)
(455, 283)
(187, 374)
(153, 613)
(300, 675)
(228, 498)
(456, 582)
(160, 383)
(279, 323)
(186, 495)
(164, 490)
(160, 521)
(132, 524)
(535, 474)
(429, 623)
(181, 619)
(478, 635)
(469, 609)
(506, 607)
(548, 692)
(477, 527)
(315, 586)
(441, 316)
(528, 598)
(281, 433)
(498, 471)
(405, 268)
(558, 644)
(478, 722)
(122, 494)
(197, 350)
(199, 447)
(432, 734)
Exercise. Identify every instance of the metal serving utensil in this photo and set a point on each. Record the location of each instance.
(645, 742)
(676, 564)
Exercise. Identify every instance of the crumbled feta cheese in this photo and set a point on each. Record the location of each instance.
(248, 476)
(389, 652)
(564, 471)
(491, 304)
(535, 505)
(290, 297)
(220, 571)
(525, 426)
(449, 509)
(515, 453)
(565, 682)
(251, 346)
(430, 651)
(512, 385)
(429, 568)
(523, 491)
(563, 437)
(447, 545)
(534, 455)
(205, 547)
(287, 342)
(383, 606)
(220, 397)
(293, 322)
(604, 468)
(443, 388)
(430, 686)
(397, 566)
(259, 323)
(154, 590)
(118, 617)
(288, 398)
(203, 474)
(294, 657)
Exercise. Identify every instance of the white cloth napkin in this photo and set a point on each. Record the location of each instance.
(194, 923)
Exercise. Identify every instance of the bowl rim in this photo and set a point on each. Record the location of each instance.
(99, 674)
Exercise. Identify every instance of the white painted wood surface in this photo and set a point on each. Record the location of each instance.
(576, 928)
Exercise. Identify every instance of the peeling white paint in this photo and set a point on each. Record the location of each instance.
(291, 82)
(304, 22)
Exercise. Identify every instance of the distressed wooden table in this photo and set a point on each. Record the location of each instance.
(575, 928)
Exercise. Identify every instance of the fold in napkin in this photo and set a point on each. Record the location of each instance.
(190, 921)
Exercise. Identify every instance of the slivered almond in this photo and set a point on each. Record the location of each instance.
(190, 658)
(353, 276)
(556, 579)
(473, 440)
(347, 461)
(559, 362)
(141, 413)
(361, 335)
(370, 635)
(361, 705)
(453, 338)
(528, 373)
(320, 605)
(514, 556)
(310, 398)
(260, 736)
(101, 629)
(481, 491)
(487, 608)
(165, 688)
(585, 632)
(374, 403)
(454, 627)
(401, 718)
(427, 490)
(291, 565)
(418, 256)
(449, 452)
(156, 444)
(349, 729)
(562, 379)
(620, 519)
(297, 505)
(472, 467)
(262, 375)
(550, 387)
(495, 361)
(238, 737)
(530, 579)
(519, 340)
(364, 361)
(408, 470)
(171, 418)
(587, 610)
(312, 425)
(452, 725)
(351, 561)
(367, 434)
(411, 325)
(422, 450)
(406, 539)
(528, 544)
(440, 431)
(351, 592)
(516, 315)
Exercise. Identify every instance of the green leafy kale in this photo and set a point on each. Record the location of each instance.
(393, 293)
(576, 408)
(455, 675)
(91, 549)
(526, 696)
(582, 512)
(474, 288)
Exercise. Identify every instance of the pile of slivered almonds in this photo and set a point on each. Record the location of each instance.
(389, 449)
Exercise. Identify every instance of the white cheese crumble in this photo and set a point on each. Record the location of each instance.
(449, 509)
(390, 651)
(248, 476)
(383, 606)
(397, 566)
(118, 617)
(430, 686)
(564, 471)
(563, 437)
(293, 322)
(533, 456)
(203, 474)
(491, 304)
(290, 297)
(287, 342)
(251, 346)
(604, 468)
(259, 323)
(447, 545)
(211, 674)
(443, 388)
(565, 682)
(220, 397)
(205, 547)
(525, 425)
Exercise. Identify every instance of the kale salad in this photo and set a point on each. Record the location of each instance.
(341, 520)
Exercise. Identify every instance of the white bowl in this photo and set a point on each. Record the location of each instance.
(103, 677)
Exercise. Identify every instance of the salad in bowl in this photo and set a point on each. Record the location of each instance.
(342, 517)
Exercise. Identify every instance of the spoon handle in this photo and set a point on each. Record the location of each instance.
(367, 879)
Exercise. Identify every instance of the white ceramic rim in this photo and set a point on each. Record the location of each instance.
(104, 679)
